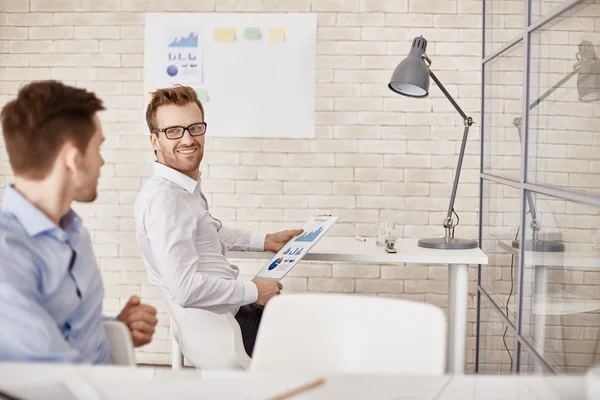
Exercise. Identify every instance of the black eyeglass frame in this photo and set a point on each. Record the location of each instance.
(183, 129)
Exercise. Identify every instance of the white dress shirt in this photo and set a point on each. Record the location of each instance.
(184, 247)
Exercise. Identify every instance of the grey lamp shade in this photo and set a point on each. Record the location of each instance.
(411, 76)
(588, 78)
(588, 81)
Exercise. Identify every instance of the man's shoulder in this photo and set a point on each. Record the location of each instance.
(11, 227)
(155, 186)
(16, 246)
(156, 191)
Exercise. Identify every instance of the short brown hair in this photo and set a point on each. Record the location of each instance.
(178, 95)
(43, 117)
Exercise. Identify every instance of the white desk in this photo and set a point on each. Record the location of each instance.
(348, 249)
(117, 383)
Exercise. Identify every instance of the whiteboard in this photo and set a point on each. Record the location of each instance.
(255, 88)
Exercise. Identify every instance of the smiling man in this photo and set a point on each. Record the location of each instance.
(184, 247)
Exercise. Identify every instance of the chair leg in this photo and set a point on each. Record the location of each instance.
(176, 356)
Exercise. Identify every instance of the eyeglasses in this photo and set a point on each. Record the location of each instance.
(177, 132)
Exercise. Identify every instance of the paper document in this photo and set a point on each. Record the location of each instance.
(294, 250)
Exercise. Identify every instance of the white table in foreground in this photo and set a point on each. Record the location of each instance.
(348, 249)
(45, 381)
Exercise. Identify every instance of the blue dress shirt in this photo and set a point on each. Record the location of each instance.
(50, 288)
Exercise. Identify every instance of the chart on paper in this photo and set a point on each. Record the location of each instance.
(182, 60)
(293, 251)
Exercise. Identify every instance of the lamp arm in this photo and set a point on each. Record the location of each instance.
(517, 123)
(443, 89)
(448, 222)
(535, 225)
(556, 86)
(468, 121)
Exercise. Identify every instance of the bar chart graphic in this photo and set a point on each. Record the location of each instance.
(292, 252)
(310, 236)
(190, 41)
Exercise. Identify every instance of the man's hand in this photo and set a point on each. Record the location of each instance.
(267, 288)
(275, 241)
(140, 319)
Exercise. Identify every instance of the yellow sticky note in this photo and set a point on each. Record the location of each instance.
(224, 35)
(276, 35)
(149, 94)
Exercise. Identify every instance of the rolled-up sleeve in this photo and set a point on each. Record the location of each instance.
(172, 232)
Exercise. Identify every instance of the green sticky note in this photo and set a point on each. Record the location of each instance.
(202, 95)
(252, 33)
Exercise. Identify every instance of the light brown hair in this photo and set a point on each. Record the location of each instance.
(178, 95)
(43, 117)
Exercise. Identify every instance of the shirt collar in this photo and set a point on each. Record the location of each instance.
(175, 176)
(31, 218)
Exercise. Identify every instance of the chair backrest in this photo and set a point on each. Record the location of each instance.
(208, 340)
(121, 344)
(331, 333)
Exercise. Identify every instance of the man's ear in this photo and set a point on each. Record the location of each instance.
(154, 142)
(71, 156)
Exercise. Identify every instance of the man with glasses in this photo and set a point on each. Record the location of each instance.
(182, 244)
(50, 286)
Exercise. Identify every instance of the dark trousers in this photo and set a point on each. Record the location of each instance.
(249, 319)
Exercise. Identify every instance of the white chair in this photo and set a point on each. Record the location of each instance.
(332, 333)
(121, 343)
(206, 339)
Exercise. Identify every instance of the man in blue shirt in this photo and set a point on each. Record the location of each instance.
(50, 286)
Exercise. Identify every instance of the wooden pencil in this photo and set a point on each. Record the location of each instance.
(300, 389)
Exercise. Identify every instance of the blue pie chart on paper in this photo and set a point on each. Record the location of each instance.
(172, 70)
(275, 263)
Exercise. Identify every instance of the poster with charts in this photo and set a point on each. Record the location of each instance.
(181, 58)
(294, 250)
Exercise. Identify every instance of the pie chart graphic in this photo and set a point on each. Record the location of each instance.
(172, 70)
(275, 263)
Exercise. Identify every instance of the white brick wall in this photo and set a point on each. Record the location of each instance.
(376, 155)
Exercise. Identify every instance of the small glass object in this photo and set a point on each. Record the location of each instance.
(384, 229)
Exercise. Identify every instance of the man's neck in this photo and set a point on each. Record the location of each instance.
(190, 174)
(47, 195)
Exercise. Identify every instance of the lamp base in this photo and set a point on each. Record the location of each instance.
(541, 245)
(448, 244)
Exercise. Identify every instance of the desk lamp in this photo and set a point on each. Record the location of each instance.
(411, 78)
